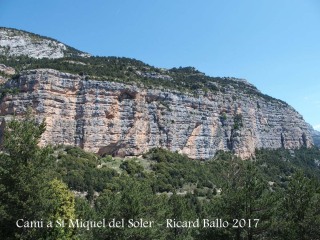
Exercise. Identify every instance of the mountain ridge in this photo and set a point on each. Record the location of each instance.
(153, 73)
(180, 109)
(14, 42)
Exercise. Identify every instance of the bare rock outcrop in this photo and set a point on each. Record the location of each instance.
(7, 70)
(119, 119)
(15, 42)
(315, 136)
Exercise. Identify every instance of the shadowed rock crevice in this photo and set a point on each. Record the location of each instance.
(282, 141)
(80, 117)
(111, 149)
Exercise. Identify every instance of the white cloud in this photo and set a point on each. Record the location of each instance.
(317, 127)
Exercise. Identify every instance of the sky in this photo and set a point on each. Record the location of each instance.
(273, 44)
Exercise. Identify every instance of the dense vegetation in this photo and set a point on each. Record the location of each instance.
(278, 187)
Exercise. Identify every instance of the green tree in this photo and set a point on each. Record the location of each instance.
(245, 195)
(181, 209)
(127, 199)
(84, 210)
(23, 166)
(58, 206)
(298, 212)
(28, 188)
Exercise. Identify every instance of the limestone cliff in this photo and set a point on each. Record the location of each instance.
(15, 42)
(315, 136)
(127, 119)
(5, 73)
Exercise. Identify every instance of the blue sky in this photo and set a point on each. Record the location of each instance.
(274, 44)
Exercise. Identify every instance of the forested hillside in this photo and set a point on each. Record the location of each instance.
(274, 195)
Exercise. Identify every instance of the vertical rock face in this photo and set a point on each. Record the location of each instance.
(315, 136)
(7, 70)
(5, 73)
(119, 119)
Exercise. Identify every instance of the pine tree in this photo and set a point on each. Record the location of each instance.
(28, 191)
(22, 174)
(245, 202)
(298, 213)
